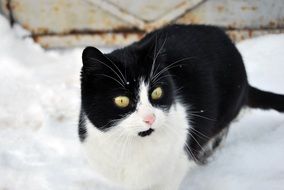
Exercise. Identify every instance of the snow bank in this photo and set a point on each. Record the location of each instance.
(39, 106)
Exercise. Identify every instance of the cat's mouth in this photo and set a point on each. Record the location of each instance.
(146, 133)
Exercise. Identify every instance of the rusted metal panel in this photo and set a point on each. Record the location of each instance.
(238, 14)
(62, 16)
(65, 23)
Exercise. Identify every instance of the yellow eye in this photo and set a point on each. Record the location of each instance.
(121, 101)
(157, 93)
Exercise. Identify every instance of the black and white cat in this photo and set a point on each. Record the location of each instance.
(153, 109)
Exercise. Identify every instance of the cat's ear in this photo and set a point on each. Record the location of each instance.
(93, 58)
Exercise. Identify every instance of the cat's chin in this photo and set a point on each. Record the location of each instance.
(146, 133)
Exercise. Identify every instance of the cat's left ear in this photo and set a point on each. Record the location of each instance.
(93, 58)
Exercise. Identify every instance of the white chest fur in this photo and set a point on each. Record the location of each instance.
(158, 161)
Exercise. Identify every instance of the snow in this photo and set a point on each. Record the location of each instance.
(39, 107)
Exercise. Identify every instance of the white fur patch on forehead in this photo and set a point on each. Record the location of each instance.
(144, 107)
(143, 93)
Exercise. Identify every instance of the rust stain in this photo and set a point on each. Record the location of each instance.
(141, 35)
(191, 17)
(35, 38)
(16, 6)
(249, 8)
(56, 8)
(250, 33)
(182, 4)
(45, 46)
(220, 8)
(113, 37)
(42, 30)
(78, 37)
(232, 26)
(123, 30)
(10, 8)
(272, 24)
(27, 27)
(233, 36)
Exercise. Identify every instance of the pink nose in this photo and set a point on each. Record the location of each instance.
(149, 119)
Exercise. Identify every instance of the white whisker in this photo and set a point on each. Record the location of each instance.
(156, 56)
(117, 69)
(202, 117)
(170, 66)
(94, 59)
(112, 78)
(198, 132)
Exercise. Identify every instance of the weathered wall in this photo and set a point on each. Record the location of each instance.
(65, 23)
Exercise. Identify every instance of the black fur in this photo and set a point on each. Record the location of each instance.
(146, 133)
(207, 75)
(265, 100)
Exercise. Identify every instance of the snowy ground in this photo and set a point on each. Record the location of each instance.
(39, 104)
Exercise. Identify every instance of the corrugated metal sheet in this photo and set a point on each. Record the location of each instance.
(65, 23)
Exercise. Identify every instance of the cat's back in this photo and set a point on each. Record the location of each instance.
(203, 47)
(191, 38)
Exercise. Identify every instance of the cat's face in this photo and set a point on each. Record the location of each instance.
(126, 93)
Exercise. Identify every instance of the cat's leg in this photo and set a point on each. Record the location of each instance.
(211, 146)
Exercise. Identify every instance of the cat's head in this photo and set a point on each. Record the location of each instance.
(128, 90)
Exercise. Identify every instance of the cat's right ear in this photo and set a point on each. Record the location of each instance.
(93, 58)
